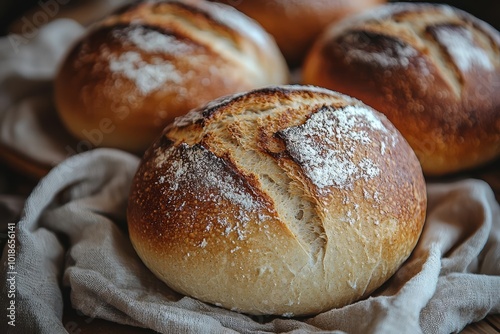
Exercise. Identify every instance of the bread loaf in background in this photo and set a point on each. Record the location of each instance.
(486, 10)
(288, 200)
(138, 69)
(433, 70)
(296, 24)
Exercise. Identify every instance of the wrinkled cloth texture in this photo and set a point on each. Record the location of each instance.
(72, 233)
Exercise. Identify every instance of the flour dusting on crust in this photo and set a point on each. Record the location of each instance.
(194, 168)
(148, 77)
(330, 143)
(459, 44)
(152, 41)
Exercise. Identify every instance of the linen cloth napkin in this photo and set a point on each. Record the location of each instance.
(72, 233)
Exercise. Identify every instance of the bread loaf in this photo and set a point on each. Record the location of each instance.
(138, 69)
(296, 24)
(433, 70)
(287, 200)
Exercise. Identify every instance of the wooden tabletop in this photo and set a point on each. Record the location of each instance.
(489, 325)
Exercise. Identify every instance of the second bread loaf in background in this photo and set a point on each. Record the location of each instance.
(140, 68)
(296, 24)
(432, 69)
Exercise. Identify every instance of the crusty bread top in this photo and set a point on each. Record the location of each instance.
(156, 60)
(298, 137)
(454, 37)
(179, 27)
(433, 70)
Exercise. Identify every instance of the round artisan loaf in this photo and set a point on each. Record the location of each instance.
(433, 70)
(288, 200)
(296, 24)
(145, 65)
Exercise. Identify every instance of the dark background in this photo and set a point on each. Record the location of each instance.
(11, 10)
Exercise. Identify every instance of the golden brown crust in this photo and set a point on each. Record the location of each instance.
(288, 200)
(142, 67)
(433, 70)
(296, 24)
